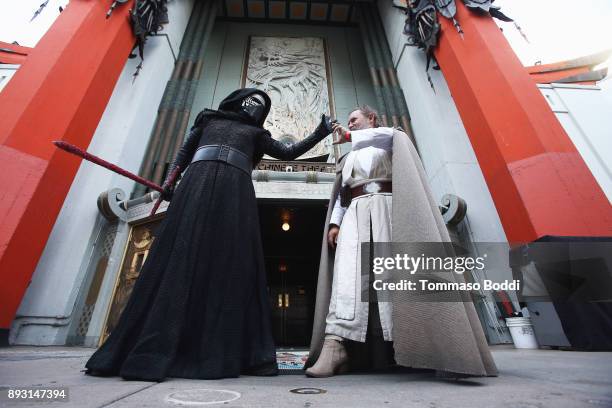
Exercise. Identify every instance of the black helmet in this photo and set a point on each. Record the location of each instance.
(253, 104)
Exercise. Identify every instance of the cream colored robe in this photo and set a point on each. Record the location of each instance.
(369, 160)
(437, 335)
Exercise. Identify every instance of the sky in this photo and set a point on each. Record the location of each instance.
(557, 30)
(15, 16)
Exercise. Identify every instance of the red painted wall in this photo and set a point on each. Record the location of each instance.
(59, 92)
(538, 180)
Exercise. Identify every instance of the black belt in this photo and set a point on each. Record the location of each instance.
(226, 154)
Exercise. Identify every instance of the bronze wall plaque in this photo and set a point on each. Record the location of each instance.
(138, 247)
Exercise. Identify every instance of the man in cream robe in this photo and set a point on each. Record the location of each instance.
(445, 336)
(367, 218)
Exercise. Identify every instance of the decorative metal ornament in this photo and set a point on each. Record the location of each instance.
(448, 9)
(483, 5)
(112, 7)
(147, 19)
(487, 6)
(422, 26)
(419, 15)
(39, 10)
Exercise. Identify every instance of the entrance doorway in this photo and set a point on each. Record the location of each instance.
(291, 234)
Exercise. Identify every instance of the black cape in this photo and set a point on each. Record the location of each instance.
(200, 306)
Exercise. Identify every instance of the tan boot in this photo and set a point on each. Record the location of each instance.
(333, 360)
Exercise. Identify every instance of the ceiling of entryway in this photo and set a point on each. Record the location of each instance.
(334, 12)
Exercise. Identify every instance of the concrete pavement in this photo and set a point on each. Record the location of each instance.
(528, 379)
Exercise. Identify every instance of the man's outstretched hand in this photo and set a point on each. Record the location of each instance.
(332, 235)
(339, 132)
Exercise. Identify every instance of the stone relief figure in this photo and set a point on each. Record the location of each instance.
(293, 72)
(137, 253)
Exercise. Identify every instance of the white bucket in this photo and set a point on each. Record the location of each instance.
(522, 333)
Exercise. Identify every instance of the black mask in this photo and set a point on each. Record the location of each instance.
(253, 106)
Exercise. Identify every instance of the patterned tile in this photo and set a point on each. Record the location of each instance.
(277, 9)
(297, 10)
(235, 8)
(340, 13)
(84, 320)
(256, 9)
(291, 360)
(318, 11)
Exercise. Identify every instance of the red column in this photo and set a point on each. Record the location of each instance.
(59, 92)
(538, 180)
(13, 54)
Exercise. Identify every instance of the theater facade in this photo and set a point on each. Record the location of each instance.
(496, 148)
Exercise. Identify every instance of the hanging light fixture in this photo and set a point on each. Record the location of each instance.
(285, 218)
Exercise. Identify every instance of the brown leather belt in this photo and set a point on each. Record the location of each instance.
(372, 188)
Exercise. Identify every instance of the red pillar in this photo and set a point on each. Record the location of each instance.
(59, 92)
(538, 180)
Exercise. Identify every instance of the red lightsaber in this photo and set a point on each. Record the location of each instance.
(70, 148)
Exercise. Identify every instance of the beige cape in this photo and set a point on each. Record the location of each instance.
(437, 335)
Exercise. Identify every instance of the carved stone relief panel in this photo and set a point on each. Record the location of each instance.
(295, 73)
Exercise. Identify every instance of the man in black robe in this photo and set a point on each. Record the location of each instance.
(200, 308)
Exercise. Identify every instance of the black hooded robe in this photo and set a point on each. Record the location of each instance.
(200, 307)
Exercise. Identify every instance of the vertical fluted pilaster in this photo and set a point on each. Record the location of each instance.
(381, 61)
(175, 107)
